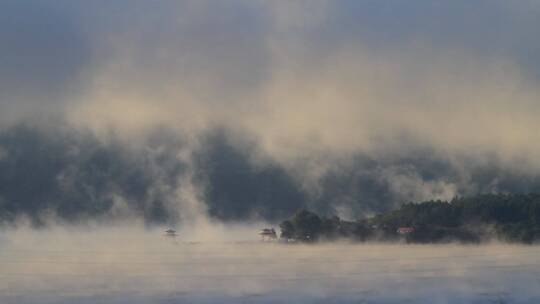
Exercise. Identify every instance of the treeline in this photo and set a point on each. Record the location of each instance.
(513, 218)
(70, 175)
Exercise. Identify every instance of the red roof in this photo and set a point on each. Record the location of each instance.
(405, 229)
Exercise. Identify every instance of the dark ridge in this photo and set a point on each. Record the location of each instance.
(72, 175)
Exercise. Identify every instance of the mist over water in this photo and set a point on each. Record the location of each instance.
(259, 109)
(228, 264)
(220, 118)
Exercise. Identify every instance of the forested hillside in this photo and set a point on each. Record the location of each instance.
(513, 218)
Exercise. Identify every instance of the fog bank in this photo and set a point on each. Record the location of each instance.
(251, 109)
(129, 264)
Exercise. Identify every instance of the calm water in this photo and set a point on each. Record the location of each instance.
(125, 266)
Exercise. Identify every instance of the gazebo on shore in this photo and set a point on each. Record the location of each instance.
(268, 234)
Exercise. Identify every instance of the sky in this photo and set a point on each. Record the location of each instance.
(253, 109)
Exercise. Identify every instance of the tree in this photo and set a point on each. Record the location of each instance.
(287, 229)
(304, 226)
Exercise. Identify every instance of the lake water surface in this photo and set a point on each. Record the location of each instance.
(140, 266)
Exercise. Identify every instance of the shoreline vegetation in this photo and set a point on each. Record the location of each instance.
(513, 218)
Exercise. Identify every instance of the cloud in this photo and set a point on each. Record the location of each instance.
(300, 91)
(300, 94)
(3, 153)
(45, 52)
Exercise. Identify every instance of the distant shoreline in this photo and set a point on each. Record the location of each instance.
(509, 218)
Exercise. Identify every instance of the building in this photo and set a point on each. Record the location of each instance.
(268, 234)
(170, 233)
(405, 230)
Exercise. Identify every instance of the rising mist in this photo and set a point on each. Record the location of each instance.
(121, 119)
(128, 264)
